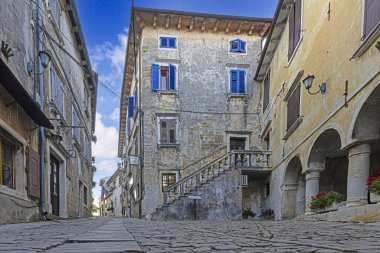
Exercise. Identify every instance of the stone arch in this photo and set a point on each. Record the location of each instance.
(327, 157)
(294, 190)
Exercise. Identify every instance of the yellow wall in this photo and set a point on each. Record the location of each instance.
(325, 50)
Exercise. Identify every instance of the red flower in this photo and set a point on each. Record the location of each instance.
(372, 178)
(320, 195)
(377, 172)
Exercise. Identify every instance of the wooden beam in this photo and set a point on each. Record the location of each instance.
(179, 23)
(154, 21)
(191, 25)
(216, 25)
(204, 25)
(228, 27)
(167, 22)
(250, 32)
(239, 28)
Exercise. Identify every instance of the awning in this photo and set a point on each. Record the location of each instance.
(9, 81)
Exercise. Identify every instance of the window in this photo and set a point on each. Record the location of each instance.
(168, 131)
(86, 147)
(294, 27)
(266, 91)
(168, 42)
(57, 94)
(237, 81)
(238, 46)
(86, 102)
(7, 164)
(164, 77)
(55, 11)
(293, 110)
(371, 16)
(76, 129)
(131, 106)
(168, 179)
(85, 195)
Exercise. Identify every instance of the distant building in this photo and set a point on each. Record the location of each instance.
(59, 96)
(188, 98)
(112, 199)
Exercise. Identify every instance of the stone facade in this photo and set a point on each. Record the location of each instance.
(72, 159)
(334, 143)
(206, 112)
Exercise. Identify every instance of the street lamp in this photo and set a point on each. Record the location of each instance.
(45, 58)
(308, 82)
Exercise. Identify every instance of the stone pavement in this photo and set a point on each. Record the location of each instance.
(104, 234)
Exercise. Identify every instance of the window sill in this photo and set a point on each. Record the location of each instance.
(367, 43)
(293, 128)
(167, 92)
(13, 193)
(168, 145)
(237, 95)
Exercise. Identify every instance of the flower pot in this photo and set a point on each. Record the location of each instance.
(334, 206)
(375, 198)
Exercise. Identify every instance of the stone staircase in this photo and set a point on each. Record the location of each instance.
(218, 185)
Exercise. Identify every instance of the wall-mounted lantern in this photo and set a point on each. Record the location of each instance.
(308, 82)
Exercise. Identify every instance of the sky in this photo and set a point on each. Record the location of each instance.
(105, 27)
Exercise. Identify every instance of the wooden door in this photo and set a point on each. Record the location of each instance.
(54, 185)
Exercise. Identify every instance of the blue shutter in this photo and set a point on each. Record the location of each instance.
(233, 81)
(131, 104)
(163, 42)
(172, 77)
(241, 81)
(155, 77)
(172, 42)
(242, 46)
(234, 49)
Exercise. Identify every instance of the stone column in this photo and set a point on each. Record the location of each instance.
(358, 172)
(312, 187)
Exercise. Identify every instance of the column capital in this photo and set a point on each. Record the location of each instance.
(312, 174)
(359, 149)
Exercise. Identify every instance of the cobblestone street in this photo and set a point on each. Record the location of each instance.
(131, 235)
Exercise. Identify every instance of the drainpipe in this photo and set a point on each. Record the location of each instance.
(41, 132)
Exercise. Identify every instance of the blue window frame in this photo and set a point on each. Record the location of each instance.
(168, 42)
(237, 81)
(164, 77)
(238, 46)
(131, 106)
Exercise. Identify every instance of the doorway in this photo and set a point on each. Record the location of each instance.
(237, 143)
(54, 185)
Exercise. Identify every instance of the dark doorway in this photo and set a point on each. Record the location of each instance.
(54, 185)
(237, 144)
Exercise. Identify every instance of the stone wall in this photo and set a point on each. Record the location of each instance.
(221, 200)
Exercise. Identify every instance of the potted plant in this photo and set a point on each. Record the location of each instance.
(373, 183)
(267, 213)
(326, 202)
(248, 213)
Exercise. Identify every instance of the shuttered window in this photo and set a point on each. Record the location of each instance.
(238, 46)
(164, 77)
(131, 106)
(294, 27)
(168, 131)
(293, 107)
(266, 91)
(371, 16)
(76, 129)
(237, 81)
(168, 42)
(8, 170)
(57, 94)
(33, 173)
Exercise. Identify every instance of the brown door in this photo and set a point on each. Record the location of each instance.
(237, 144)
(54, 185)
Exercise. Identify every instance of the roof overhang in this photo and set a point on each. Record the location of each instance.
(179, 20)
(273, 38)
(10, 82)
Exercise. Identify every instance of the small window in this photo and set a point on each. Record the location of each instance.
(168, 42)
(238, 46)
(55, 11)
(7, 164)
(237, 81)
(85, 195)
(293, 107)
(164, 77)
(168, 179)
(76, 124)
(294, 27)
(371, 16)
(168, 131)
(57, 94)
(266, 91)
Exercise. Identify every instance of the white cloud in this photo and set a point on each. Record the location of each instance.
(115, 114)
(107, 140)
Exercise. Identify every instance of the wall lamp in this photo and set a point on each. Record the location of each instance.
(308, 82)
(45, 59)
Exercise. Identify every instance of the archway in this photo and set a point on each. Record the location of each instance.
(294, 190)
(327, 158)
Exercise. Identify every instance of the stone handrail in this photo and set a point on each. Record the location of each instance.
(242, 159)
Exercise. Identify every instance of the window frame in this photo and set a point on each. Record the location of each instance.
(296, 45)
(167, 37)
(288, 124)
(13, 147)
(245, 81)
(237, 52)
(364, 36)
(167, 65)
(163, 173)
(266, 90)
(76, 129)
(168, 144)
(53, 90)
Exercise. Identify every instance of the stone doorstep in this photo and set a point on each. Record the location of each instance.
(345, 214)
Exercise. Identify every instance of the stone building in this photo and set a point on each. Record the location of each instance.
(323, 136)
(188, 98)
(59, 96)
(112, 199)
